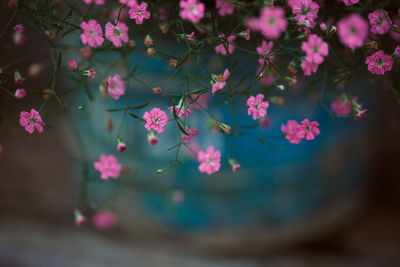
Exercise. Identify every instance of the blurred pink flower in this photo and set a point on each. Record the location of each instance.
(396, 51)
(108, 166)
(104, 220)
(92, 33)
(72, 64)
(220, 81)
(115, 86)
(350, 2)
(290, 131)
(192, 10)
(271, 23)
(181, 111)
(342, 106)
(309, 67)
(209, 160)
(225, 7)
(152, 138)
(156, 119)
(86, 52)
(117, 34)
(264, 50)
(96, 2)
(379, 63)
(31, 121)
(352, 31)
(139, 12)
(192, 134)
(257, 106)
(306, 11)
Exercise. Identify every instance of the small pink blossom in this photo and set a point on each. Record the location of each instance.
(20, 93)
(220, 49)
(31, 121)
(246, 34)
(290, 130)
(225, 7)
(92, 33)
(257, 106)
(265, 49)
(192, 10)
(121, 146)
(306, 11)
(108, 166)
(19, 28)
(115, 86)
(152, 138)
(192, 134)
(117, 34)
(201, 101)
(139, 12)
(308, 130)
(86, 52)
(379, 21)
(309, 67)
(342, 106)
(129, 3)
(104, 220)
(360, 114)
(79, 218)
(265, 122)
(156, 119)
(181, 111)
(352, 31)
(271, 23)
(397, 51)
(209, 160)
(315, 48)
(395, 35)
(220, 81)
(379, 63)
(96, 2)
(192, 36)
(72, 64)
(350, 2)
(235, 165)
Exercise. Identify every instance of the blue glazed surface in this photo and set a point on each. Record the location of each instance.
(276, 186)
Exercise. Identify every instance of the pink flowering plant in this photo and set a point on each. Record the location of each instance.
(250, 56)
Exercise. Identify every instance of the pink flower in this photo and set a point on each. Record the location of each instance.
(271, 23)
(220, 81)
(315, 48)
(308, 130)
(117, 34)
(235, 165)
(350, 2)
(115, 86)
(192, 10)
(379, 21)
(309, 67)
(11, 2)
(246, 34)
(86, 52)
(139, 12)
(306, 11)
(379, 63)
(352, 31)
(290, 130)
(257, 106)
(264, 50)
(192, 36)
(395, 35)
(72, 64)
(341, 106)
(225, 7)
(221, 48)
(92, 33)
(96, 2)
(129, 3)
(265, 123)
(152, 138)
(397, 51)
(104, 220)
(360, 114)
(209, 160)
(181, 111)
(31, 121)
(108, 166)
(192, 134)
(156, 119)
(20, 93)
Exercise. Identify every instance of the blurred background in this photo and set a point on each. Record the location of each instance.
(39, 188)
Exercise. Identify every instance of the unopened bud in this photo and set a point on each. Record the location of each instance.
(157, 90)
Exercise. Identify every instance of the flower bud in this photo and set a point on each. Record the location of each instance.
(164, 28)
(173, 63)
(157, 90)
(151, 51)
(148, 41)
(235, 165)
(79, 218)
(131, 43)
(121, 145)
(91, 73)
(20, 93)
(224, 128)
(152, 138)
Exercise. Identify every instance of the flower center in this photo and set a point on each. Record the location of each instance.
(305, 10)
(380, 62)
(139, 12)
(272, 21)
(156, 120)
(257, 106)
(307, 128)
(117, 32)
(220, 78)
(353, 30)
(32, 120)
(92, 33)
(379, 22)
(193, 9)
(315, 49)
(210, 160)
